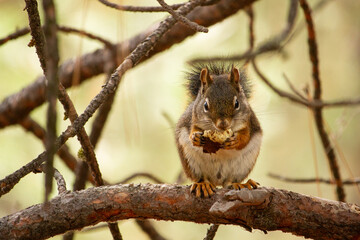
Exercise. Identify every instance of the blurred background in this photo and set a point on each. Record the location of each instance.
(137, 136)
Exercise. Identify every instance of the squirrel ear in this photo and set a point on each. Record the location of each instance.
(205, 77)
(235, 75)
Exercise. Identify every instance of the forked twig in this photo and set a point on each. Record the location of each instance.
(182, 19)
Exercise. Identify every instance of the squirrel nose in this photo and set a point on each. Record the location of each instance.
(222, 124)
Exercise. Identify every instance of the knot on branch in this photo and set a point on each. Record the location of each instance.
(235, 202)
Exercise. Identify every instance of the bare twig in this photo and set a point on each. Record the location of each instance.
(148, 9)
(58, 177)
(250, 13)
(11, 180)
(211, 232)
(329, 150)
(295, 91)
(141, 174)
(183, 19)
(313, 180)
(149, 229)
(51, 73)
(18, 33)
(66, 29)
(137, 8)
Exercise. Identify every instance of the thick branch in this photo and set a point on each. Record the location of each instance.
(265, 208)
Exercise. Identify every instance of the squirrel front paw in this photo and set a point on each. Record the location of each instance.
(231, 142)
(237, 141)
(205, 189)
(198, 139)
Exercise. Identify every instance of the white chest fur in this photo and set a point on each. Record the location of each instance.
(224, 166)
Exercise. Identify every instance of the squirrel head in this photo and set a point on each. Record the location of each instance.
(221, 102)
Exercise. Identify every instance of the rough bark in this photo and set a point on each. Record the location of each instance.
(20, 104)
(265, 209)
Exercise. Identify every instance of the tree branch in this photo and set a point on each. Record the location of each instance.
(148, 8)
(182, 19)
(318, 115)
(352, 181)
(18, 33)
(264, 208)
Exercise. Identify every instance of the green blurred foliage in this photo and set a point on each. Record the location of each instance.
(138, 138)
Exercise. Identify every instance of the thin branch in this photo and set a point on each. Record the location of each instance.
(250, 13)
(294, 89)
(211, 232)
(18, 33)
(11, 180)
(192, 25)
(149, 229)
(51, 73)
(313, 180)
(150, 8)
(66, 29)
(327, 145)
(264, 208)
(137, 8)
(141, 174)
(58, 177)
(104, 110)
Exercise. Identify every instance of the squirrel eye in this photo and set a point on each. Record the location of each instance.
(206, 106)
(236, 104)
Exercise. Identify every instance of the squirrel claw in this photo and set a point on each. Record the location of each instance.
(198, 139)
(250, 184)
(202, 188)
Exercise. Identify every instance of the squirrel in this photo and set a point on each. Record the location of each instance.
(219, 102)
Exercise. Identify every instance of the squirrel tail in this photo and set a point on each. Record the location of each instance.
(193, 83)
